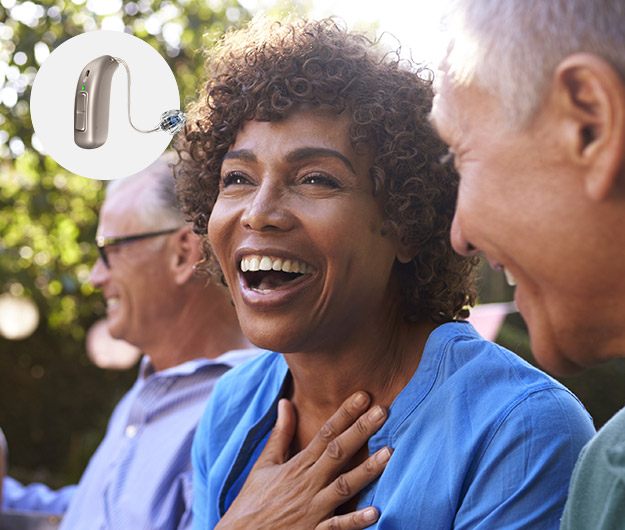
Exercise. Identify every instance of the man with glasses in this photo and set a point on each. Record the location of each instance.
(140, 475)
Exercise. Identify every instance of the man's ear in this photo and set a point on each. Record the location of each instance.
(187, 252)
(591, 95)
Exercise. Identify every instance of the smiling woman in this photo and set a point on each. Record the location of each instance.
(312, 171)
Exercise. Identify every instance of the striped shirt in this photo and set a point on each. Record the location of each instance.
(140, 475)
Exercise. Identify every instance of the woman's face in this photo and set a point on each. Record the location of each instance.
(299, 234)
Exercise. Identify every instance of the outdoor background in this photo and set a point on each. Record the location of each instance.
(54, 403)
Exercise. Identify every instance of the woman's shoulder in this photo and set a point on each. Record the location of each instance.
(257, 381)
(496, 377)
(265, 371)
(241, 396)
(464, 351)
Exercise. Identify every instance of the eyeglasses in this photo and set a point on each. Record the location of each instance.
(103, 242)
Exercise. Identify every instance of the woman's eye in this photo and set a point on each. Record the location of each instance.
(319, 179)
(234, 178)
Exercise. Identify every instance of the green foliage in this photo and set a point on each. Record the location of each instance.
(55, 404)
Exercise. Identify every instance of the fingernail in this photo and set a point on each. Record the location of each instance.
(383, 456)
(360, 400)
(376, 414)
(370, 515)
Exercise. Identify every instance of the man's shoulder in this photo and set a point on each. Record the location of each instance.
(235, 358)
(597, 493)
(607, 449)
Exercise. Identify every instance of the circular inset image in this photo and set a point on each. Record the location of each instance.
(79, 105)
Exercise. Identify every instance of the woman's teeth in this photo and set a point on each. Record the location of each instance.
(267, 263)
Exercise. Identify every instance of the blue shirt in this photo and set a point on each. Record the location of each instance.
(140, 475)
(481, 439)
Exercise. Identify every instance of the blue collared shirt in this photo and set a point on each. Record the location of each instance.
(481, 439)
(140, 475)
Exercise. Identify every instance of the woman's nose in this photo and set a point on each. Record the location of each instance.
(268, 208)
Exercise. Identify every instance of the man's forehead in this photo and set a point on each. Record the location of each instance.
(120, 213)
(445, 115)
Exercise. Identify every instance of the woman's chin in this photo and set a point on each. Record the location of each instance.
(270, 338)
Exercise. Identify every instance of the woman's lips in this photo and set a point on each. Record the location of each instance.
(267, 281)
(256, 262)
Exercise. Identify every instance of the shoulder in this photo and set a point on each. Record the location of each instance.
(500, 388)
(469, 359)
(244, 379)
(252, 385)
(605, 453)
(597, 491)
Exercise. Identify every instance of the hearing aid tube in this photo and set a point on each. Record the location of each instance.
(92, 102)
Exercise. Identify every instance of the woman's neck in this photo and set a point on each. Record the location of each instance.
(381, 364)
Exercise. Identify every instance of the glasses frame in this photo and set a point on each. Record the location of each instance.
(102, 242)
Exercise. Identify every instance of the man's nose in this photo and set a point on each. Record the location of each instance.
(459, 240)
(99, 273)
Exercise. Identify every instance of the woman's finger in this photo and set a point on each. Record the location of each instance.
(350, 410)
(351, 483)
(277, 448)
(351, 521)
(344, 446)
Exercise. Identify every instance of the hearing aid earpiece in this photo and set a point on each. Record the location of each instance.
(172, 121)
(92, 101)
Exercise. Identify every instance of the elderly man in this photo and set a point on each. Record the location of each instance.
(531, 100)
(140, 476)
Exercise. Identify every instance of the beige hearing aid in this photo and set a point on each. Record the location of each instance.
(92, 102)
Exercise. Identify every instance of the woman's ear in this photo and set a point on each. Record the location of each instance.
(591, 96)
(187, 252)
(404, 254)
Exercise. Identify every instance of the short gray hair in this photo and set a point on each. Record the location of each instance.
(159, 207)
(511, 48)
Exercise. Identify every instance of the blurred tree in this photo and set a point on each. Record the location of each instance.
(55, 404)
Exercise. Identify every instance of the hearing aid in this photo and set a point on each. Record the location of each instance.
(92, 101)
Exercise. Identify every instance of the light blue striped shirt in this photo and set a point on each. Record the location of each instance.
(140, 475)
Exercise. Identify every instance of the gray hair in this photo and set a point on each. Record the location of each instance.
(510, 48)
(159, 207)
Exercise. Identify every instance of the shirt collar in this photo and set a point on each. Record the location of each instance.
(230, 358)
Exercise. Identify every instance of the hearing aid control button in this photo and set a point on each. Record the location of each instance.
(81, 121)
(81, 102)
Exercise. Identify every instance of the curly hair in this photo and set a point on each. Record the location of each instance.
(270, 69)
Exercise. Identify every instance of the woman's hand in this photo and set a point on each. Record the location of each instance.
(302, 493)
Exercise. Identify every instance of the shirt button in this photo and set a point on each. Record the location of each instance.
(131, 431)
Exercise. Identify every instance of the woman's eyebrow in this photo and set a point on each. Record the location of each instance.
(241, 154)
(303, 153)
